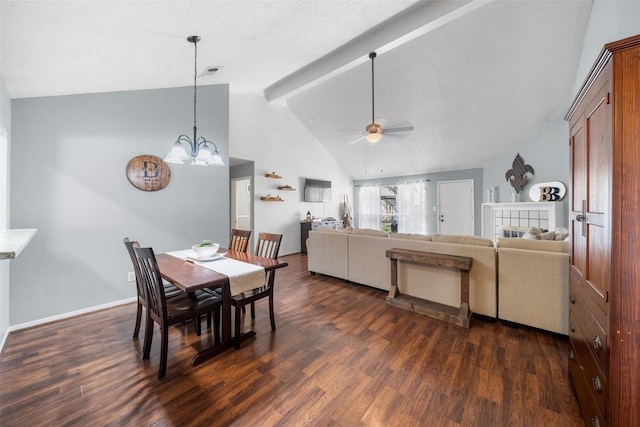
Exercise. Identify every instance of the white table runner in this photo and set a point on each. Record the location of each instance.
(243, 276)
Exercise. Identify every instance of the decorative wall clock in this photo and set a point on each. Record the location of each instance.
(148, 173)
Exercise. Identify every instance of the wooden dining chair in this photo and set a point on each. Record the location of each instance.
(170, 291)
(239, 240)
(268, 246)
(166, 312)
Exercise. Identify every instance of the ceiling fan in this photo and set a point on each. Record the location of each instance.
(375, 130)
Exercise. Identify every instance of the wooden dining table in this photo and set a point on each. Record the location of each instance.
(190, 277)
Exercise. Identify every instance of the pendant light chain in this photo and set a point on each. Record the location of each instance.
(201, 152)
(372, 55)
(195, 87)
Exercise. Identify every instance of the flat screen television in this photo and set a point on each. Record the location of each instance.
(316, 190)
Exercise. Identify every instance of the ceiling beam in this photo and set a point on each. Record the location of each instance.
(413, 22)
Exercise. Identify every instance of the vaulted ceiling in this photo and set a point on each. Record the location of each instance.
(473, 78)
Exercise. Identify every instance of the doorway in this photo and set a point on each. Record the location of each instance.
(455, 207)
(241, 203)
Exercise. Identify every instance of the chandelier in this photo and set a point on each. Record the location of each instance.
(202, 152)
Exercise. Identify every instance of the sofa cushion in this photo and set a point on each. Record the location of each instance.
(534, 233)
(562, 233)
(408, 236)
(331, 230)
(534, 245)
(369, 232)
(462, 239)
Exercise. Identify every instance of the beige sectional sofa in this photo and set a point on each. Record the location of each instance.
(518, 280)
(533, 280)
(366, 263)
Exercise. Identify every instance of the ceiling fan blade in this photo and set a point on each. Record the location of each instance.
(398, 129)
(357, 139)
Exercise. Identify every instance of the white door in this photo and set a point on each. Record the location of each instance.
(455, 207)
(241, 203)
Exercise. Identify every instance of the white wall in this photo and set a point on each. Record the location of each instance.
(5, 125)
(276, 141)
(68, 160)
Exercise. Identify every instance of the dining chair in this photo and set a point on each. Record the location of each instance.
(170, 291)
(166, 312)
(239, 240)
(268, 246)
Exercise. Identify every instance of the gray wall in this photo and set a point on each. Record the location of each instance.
(432, 193)
(547, 151)
(68, 160)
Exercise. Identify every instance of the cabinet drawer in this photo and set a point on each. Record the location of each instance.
(588, 406)
(579, 289)
(594, 335)
(594, 382)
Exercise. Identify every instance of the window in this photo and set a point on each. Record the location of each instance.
(369, 207)
(412, 207)
(393, 208)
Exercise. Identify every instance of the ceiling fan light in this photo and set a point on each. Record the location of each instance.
(373, 137)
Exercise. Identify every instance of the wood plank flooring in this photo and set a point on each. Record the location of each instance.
(340, 357)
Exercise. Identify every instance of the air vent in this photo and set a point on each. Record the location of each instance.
(209, 71)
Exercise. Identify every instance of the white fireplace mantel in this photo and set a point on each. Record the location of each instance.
(549, 215)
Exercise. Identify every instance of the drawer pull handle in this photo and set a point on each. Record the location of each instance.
(597, 385)
(572, 327)
(571, 355)
(597, 343)
(572, 299)
(595, 422)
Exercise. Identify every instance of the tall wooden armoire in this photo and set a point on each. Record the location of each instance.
(604, 292)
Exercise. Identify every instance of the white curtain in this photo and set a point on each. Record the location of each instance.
(412, 207)
(369, 207)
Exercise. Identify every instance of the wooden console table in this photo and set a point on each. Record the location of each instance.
(461, 316)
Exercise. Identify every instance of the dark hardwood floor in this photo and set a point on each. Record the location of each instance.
(340, 357)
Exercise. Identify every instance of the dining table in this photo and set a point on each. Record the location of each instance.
(189, 275)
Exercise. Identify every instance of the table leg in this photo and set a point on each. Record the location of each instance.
(227, 342)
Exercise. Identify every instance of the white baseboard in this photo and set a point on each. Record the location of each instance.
(65, 316)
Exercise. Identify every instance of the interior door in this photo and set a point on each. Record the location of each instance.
(241, 203)
(455, 207)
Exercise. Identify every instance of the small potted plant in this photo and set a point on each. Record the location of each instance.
(205, 249)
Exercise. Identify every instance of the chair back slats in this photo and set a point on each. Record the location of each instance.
(268, 245)
(136, 266)
(239, 240)
(154, 289)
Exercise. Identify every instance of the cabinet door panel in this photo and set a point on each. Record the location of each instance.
(599, 152)
(579, 166)
(578, 195)
(598, 268)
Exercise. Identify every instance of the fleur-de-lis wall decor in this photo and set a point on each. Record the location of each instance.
(516, 176)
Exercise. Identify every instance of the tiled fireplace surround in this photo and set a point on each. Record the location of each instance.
(510, 219)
